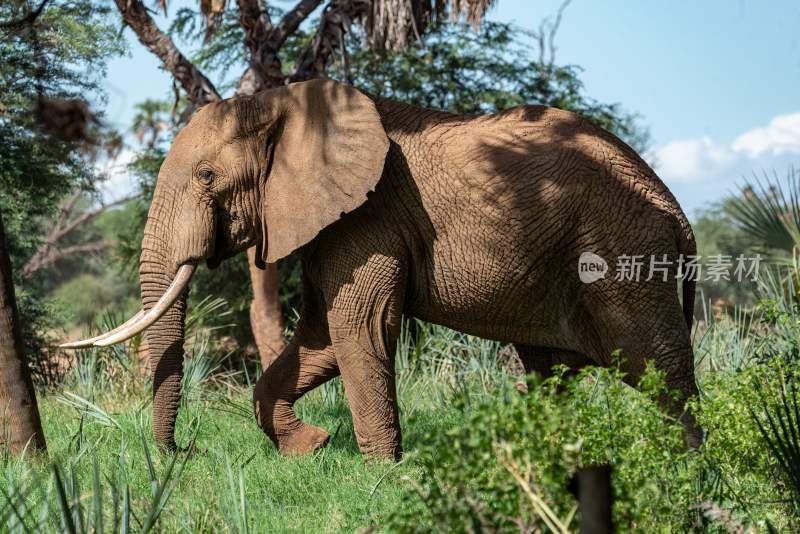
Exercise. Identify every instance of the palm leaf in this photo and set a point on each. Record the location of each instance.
(780, 428)
(768, 209)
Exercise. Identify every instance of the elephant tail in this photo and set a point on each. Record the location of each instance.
(688, 247)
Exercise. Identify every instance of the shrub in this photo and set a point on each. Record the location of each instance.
(474, 476)
(506, 464)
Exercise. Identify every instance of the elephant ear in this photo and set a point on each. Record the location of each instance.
(329, 154)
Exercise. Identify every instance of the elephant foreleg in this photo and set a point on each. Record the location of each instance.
(364, 326)
(369, 383)
(302, 366)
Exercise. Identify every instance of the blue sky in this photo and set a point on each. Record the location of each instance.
(716, 81)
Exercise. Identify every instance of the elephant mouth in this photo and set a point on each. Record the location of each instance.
(227, 241)
(218, 257)
(222, 249)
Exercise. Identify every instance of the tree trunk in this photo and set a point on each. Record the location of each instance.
(266, 319)
(20, 426)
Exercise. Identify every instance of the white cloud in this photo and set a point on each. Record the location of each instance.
(780, 136)
(701, 170)
(685, 160)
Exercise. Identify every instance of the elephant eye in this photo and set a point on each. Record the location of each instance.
(205, 175)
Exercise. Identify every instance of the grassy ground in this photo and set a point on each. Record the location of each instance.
(466, 431)
(238, 475)
(101, 420)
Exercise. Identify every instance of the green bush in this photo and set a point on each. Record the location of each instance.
(506, 464)
(478, 474)
(87, 297)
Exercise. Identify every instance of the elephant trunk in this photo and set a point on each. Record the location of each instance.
(164, 338)
(163, 289)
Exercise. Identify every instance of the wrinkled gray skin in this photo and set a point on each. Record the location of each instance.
(475, 223)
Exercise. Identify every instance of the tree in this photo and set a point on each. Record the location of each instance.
(45, 130)
(69, 219)
(385, 23)
(20, 426)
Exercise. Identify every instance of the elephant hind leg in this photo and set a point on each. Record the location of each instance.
(677, 364)
(649, 326)
(298, 370)
(543, 359)
(307, 362)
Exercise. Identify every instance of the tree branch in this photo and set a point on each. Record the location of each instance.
(65, 210)
(89, 215)
(40, 258)
(291, 21)
(336, 20)
(264, 69)
(27, 20)
(263, 41)
(197, 86)
(254, 19)
(51, 258)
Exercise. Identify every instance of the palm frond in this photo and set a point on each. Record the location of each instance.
(780, 428)
(768, 209)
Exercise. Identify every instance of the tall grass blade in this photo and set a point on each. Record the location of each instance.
(162, 494)
(151, 472)
(67, 522)
(97, 497)
(125, 521)
(85, 406)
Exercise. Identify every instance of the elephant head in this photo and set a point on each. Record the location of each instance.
(270, 170)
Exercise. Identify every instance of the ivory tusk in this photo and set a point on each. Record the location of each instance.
(82, 344)
(152, 315)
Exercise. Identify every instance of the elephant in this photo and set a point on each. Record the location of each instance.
(475, 222)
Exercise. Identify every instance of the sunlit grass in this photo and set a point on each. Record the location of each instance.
(103, 472)
(236, 479)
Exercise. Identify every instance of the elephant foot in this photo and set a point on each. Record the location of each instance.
(304, 440)
(693, 437)
(692, 434)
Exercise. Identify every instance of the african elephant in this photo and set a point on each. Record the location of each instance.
(477, 223)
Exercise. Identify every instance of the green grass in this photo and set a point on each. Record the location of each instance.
(329, 492)
(101, 419)
(476, 450)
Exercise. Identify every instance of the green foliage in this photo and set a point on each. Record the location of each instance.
(479, 454)
(768, 210)
(87, 296)
(781, 430)
(65, 508)
(475, 475)
(484, 472)
(453, 68)
(495, 68)
(152, 119)
(718, 235)
(62, 55)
